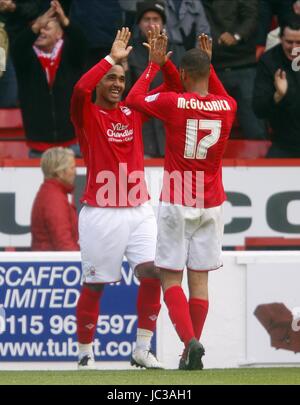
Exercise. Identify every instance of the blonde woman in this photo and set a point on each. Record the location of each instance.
(54, 223)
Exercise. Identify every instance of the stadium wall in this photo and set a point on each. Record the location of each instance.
(263, 198)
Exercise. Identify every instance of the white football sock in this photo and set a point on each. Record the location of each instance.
(85, 349)
(143, 339)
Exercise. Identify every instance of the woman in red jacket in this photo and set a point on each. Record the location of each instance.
(54, 217)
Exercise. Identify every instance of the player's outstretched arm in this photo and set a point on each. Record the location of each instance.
(119, 51)
(160, 105)
(157, 46)
(158, 54)
(215, 85)
(81, 98)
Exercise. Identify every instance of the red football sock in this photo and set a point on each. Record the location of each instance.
(148, 303)
(179, 313)
(87, 313)
(198, 312)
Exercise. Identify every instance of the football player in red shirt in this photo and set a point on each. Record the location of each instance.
(198, 122)
(116, 219)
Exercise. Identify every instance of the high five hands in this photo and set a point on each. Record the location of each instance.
(157, 45)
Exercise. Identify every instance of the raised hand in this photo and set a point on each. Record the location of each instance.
(227, 39)
(59, 13)
(157, 45)
(159, 50)
(120, 49)
(43, 20)
(7, 6)
(152, 35)
(281, 85)
(205, 44)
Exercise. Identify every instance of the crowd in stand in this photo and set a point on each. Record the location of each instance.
(48, 45)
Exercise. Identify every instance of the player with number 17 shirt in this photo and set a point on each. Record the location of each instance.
(197, 129)
(198, 122)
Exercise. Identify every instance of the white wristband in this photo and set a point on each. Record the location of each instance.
(110, 60)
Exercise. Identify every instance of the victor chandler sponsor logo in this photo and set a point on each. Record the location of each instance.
(120, 133)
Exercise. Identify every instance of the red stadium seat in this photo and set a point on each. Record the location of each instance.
(272, 243)
(246, 149)
(236, 131)
(11, 124)
(10, 249)
(13, 150)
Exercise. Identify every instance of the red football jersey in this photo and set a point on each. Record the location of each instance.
(111, 144)
(197, 128)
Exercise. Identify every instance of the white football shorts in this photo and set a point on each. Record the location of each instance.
(106, 235)
(189, 237)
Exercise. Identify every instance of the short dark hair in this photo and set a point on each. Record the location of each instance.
(120, 64)
(292, 22)
(196, 63)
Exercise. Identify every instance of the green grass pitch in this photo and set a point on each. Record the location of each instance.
(241, 376)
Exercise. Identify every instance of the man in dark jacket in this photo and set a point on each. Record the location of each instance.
(282, 9)
(99, 20)
(233, 25)
(17, 14)
(186, 19)
(277, 92)
(49, 59)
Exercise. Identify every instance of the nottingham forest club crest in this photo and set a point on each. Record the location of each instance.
(126, 110)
